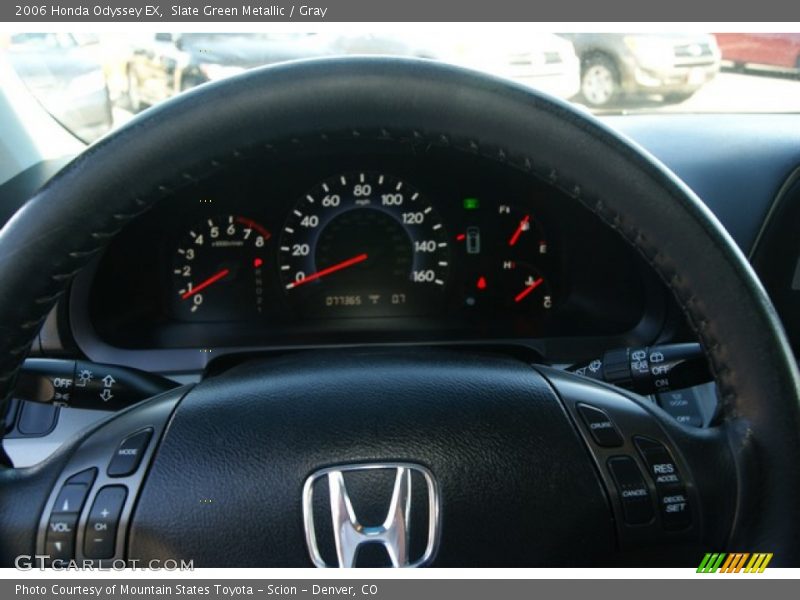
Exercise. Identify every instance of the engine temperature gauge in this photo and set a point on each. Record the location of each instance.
(525, 288)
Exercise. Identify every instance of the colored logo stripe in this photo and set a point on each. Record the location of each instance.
(711, 562)
(735, 562)
(758, 563)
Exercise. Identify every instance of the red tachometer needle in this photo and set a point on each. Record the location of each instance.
(332, 269)
(528, 289)
(211, 280)
(520, 228)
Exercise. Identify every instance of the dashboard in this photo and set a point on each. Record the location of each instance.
(364, 244)
(593, 292)
(128, 308)
(357, 242)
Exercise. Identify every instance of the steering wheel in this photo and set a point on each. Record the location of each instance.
(438, 457)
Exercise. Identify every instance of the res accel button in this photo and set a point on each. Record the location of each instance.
(600, 426)
(662, 468)
(129, 454)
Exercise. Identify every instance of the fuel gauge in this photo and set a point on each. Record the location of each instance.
(521, 233)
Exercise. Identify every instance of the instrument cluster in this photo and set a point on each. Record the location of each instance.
(355, 247)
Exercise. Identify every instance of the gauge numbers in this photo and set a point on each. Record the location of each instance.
(364, 244)
(218, 269)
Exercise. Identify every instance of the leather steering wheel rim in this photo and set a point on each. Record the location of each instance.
(73, 217)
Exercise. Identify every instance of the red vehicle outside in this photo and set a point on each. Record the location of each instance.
(780, 50)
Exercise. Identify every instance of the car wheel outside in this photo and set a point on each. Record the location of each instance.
(190, 81)
(678, 97)
(600, 81)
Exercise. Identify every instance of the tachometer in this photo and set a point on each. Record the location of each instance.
(218, 270)
(364, 244)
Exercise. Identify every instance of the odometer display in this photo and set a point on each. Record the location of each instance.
(364, 244)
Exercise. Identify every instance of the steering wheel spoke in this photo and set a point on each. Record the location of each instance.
(667, 482)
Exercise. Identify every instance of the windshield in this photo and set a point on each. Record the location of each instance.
(92, 83)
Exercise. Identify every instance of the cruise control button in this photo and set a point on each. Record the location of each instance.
(70, 498)
(60, 544)
(101, 528)
(129, 454)
(662, 468)
(637, 507)
(600, 426)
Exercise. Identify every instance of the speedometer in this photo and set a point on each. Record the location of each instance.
(364, 244)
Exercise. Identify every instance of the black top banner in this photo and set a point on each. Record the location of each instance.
(316, 11)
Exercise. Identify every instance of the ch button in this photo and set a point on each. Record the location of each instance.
(101, 528)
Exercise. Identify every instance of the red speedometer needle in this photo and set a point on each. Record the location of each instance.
(528, 289)
(210, 281)
(518, 231)
(327, 271)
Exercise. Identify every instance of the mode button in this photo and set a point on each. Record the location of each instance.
(129, 454)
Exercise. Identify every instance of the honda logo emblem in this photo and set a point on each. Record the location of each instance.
(394, 533)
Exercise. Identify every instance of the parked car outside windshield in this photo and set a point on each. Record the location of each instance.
(164, 64)
(66, 79)
(616, 67)
(761, 50)
(93, 82)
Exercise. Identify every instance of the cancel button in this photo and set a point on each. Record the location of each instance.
(633, 492)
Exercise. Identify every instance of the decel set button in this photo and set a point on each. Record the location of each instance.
(674, 506)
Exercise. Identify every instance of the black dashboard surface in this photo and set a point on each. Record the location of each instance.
(366, 244)
(738, 165)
